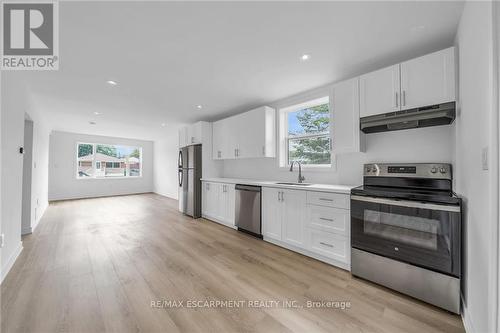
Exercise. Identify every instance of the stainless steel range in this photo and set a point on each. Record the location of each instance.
(406, 231)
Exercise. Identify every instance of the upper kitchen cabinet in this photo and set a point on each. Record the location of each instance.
(420, 82)
(247, 135)
(190, 135)
(379, 91)
(347, 137)
(428, 80)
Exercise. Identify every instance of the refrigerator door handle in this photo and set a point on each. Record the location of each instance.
(180, 159)
(180, 177)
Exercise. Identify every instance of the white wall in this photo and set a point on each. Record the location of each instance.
(27, 171)
(14, 105)
(39, 167)
(165, 164)
(473, 134)
(63, 183)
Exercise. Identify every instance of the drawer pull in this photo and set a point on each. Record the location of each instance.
(325, 199)
(325, 219)
(326, 244)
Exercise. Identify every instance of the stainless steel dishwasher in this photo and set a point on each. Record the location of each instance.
(248, 213)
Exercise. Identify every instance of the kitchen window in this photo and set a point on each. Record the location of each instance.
(103, 161)
(305, 133)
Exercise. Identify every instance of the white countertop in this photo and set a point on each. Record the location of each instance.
(345, 189)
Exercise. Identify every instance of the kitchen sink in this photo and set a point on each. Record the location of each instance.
(296, 184)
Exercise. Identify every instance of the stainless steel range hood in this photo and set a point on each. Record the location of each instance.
(435, 115)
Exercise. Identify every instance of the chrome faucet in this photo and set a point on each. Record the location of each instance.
(301, 178)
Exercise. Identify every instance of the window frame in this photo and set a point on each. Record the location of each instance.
(94, 162)
(283, 138)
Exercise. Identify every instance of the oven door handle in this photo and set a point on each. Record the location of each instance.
(407, 203)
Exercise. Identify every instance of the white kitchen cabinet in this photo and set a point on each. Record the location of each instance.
(272, 212)
(302, 221)
(218, 202)
(191, 134)
(379, 91)
(247, 135)
(283, 214)
(420, 82)
(183, 133)
(428, 80)
(347, 136)
(222, 137)
(294, 209)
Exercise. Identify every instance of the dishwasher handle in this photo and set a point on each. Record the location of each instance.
(248, 188)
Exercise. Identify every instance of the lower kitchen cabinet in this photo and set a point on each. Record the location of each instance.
(283, 215)
(218, 202)
(300, 221)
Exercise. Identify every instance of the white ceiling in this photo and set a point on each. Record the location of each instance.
(168, 57)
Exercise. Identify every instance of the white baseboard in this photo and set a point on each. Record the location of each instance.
(8, 265)
(168, 195)
(213, 219)
(466, 319)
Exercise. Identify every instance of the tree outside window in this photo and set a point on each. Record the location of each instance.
(308, 134)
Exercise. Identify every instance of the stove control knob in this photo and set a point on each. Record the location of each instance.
(442, 170)
(368, 169)
(434, 170)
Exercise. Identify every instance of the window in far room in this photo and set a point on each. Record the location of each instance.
(108, 161)
(305, 133)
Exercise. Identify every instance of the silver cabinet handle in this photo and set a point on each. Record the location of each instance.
(279, 199)
(326, 244)
(397, 99)
(192, 139)
(282, 196)
(264, 150)
(404, 98)
(325, 219)
(325, 199)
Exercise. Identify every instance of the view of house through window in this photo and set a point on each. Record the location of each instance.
(308, 133)
(108, 161)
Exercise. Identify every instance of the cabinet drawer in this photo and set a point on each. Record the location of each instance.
(328, 199)
(329, 219)
(329, 245)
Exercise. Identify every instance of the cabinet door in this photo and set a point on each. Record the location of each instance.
(194, 133)
(226, 204)
(346, 135)
(380, 91)
(272, 213)
(250, 137)
(218, 132)
(428, 80)
(294, 207)
(212, 199)
(183, 133)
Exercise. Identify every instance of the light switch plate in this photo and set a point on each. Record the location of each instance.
(2, 237)
(484, 158)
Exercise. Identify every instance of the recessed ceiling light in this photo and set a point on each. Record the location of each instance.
(111, 82)
(305, 57)
(92, 122)
(163, 124)
(199, 107)
(97, 113)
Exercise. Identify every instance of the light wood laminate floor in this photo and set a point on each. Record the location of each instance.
(95, 265)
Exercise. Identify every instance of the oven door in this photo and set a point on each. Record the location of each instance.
(418, 233)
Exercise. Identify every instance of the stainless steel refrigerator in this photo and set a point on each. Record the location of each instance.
(190, 180)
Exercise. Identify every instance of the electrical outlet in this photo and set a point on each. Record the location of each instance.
(2, 238)
(484, 158)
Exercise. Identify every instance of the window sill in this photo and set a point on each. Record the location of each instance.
(311, 168)
(107, 178)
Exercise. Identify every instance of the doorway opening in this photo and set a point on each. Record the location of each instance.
(26, 216)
